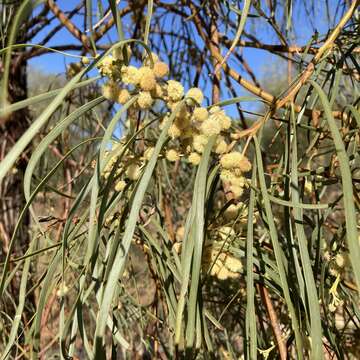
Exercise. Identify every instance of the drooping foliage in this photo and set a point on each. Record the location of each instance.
(181, 206)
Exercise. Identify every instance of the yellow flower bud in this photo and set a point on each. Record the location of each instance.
(233, 264)
(235, 160)
(120, 185)
(210, 127)
(147, 78)
(195, 94)
(236, 190)
(123, 96)
(221, 146)
(133, 172)
(180, 233)
(199, 142)
(85, 60)
(200, 114)
(161, 69)
(130, 75)
(175, 90)
(341, 260)
(172, 155)
(174, 131)
(145, 100)
(194, 158)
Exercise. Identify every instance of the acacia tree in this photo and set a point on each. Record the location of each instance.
(183, 232)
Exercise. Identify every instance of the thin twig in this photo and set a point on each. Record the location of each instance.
(274, 322)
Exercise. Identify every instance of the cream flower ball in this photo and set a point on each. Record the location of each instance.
(147, 78)
(161, 69)
(172, 155)
(175, 90)
(210, 127)
(235, 160)
(133, 172)
(123, 96)
(194, 158)
(130, 75)
(200, 114)
(120, 185)
(145, 100)
(195, 94)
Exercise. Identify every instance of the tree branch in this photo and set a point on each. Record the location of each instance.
(274, 322)
(68, 24)
(270, 99)
(329, 43)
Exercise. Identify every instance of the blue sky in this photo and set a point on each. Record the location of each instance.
(261, 62)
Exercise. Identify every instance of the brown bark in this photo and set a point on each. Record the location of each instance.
(11, 195)
(12, 199)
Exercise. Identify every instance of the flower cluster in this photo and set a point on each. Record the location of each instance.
(192, 127)
(338, 261)
(234, 165)
(127, 80)
(127, 170)
(218, 260)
